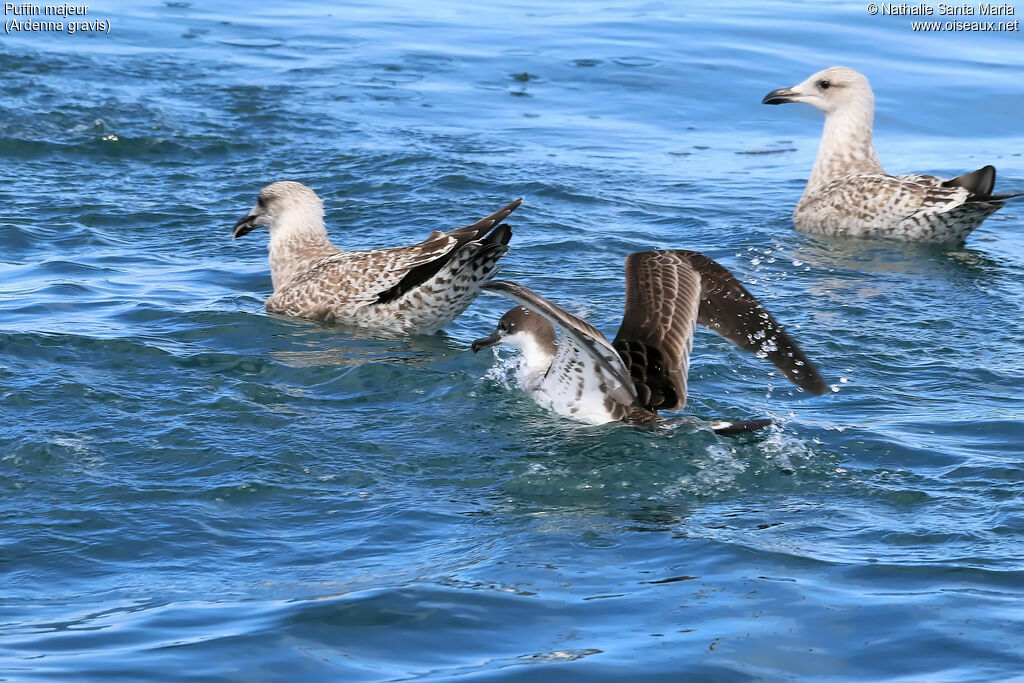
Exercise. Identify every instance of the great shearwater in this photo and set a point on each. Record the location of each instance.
(850, 194)
(418, 288)
(586, 377)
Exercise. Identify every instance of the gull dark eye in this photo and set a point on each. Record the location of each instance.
(824, 85)
(261, 201)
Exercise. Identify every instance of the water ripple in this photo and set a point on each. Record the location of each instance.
(187, 481)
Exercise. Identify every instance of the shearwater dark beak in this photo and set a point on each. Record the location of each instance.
(493, 339)
(244, 226)
(780, 96)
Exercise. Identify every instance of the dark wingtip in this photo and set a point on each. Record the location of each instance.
(818, 386)
(503, 213)
(807, 377)
(500, 235)
(979, 183)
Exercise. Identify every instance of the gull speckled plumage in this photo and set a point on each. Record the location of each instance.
(418, 288)
(586, 377)
(849, 193)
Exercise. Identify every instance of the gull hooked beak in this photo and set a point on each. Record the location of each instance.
(244, 226)
(781, 96)
(493, 339)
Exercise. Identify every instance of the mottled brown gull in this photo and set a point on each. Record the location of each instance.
(586, 377)
(850, 194)
(418, 288)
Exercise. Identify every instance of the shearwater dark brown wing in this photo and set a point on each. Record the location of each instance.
(439, 248)
(662, 298)
(726, 307)
(666, 292)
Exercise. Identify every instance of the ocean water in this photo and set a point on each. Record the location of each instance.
(191, 488)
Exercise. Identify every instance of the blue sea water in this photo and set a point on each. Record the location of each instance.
(191, 488)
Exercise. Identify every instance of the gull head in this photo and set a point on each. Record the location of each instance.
(522, 329)
(832, 90)
(283, 206)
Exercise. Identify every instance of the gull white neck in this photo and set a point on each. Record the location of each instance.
(295, 244)
(846, 145)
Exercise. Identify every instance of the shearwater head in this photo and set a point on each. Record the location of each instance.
(531, 333)
(849, 105)
(286, 208)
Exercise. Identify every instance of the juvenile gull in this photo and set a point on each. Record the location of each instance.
(849, 193)
(419, 288)
(586, 377)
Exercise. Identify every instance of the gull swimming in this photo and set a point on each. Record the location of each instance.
(850, 194)
(586, 377)
(418, 288)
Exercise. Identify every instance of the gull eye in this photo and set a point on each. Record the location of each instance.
(824, 85)
(503, 326)
(261, 201)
